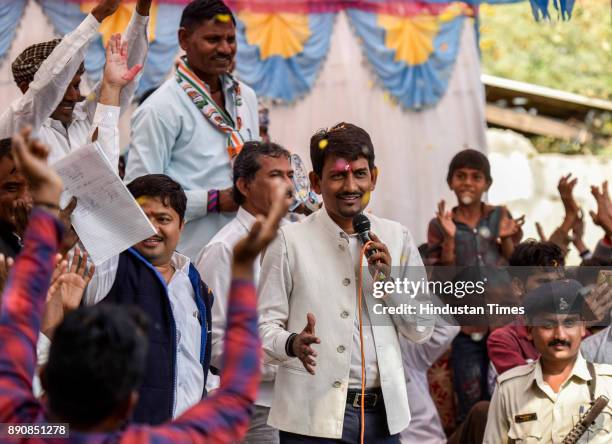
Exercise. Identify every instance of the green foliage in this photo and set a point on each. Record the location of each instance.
(574, 55)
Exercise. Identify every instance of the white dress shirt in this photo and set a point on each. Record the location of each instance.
(369, 349)
(47, 89)
(215, 266)
(189, 372)
(171, 136)
(425, 425)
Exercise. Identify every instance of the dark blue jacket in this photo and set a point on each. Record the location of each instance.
(139, 283)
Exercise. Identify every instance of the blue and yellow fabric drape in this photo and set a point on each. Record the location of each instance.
(11, 12)
(412, 56)
(411, 45)
(280, 54)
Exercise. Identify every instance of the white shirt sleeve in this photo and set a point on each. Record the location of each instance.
(50, 82)
(422, 356)
(274, 290)
(101, 282)
(106, 121)
(138, 47)
(214, 265)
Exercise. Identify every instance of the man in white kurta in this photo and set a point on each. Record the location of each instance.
(52, 104)
(311, 272)
(259, 170)
(170, 134)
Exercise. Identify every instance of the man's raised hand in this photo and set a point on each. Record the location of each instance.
(603, 216)
(116, 71)
(445, 218)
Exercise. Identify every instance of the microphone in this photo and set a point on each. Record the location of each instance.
(361, 225)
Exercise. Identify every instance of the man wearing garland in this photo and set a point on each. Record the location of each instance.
(195, 124)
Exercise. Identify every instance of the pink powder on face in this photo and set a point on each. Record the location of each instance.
(342, 166)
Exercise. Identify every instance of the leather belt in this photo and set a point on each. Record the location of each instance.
(371, 398)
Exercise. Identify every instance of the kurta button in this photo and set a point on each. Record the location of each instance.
(340, 349)
(337, 384)
(344, 314)
(341, 247)
(346, 282)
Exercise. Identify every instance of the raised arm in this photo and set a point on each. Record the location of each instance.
(137, 48)
(54, 75)
(25, 294)
(117, 76)
(224, 417)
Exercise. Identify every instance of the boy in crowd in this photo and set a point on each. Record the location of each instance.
(472, 234)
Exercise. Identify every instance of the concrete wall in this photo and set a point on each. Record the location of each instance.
(526, 182)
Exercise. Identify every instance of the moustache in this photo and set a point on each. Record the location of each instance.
(559, 342)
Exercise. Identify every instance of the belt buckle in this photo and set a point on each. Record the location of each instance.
(357, 404)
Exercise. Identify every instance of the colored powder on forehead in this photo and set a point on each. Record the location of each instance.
(141, 200)
(323, 144)
(223, 18)
(341, 166)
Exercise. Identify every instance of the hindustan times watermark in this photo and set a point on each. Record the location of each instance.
(446, 310)
(477, 295)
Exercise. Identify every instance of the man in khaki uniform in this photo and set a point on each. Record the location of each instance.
(541, 402)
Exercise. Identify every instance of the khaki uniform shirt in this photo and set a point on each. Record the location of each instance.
(525, 409)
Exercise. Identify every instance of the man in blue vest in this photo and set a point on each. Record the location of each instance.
(168, 288)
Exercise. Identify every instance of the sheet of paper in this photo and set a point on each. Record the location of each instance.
(107, 218)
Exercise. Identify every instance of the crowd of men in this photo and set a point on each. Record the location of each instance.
(236, 323)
